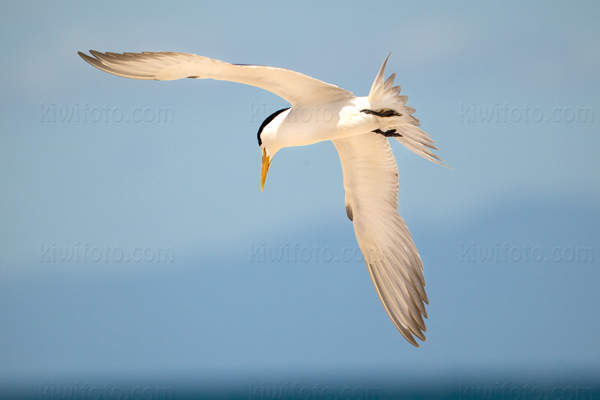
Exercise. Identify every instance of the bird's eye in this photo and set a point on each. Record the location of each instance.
(266, 122)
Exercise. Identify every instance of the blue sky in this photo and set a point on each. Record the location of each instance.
(510, 240)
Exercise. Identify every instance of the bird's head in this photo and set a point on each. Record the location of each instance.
(267, 141)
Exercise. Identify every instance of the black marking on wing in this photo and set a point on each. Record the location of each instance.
(390, 133)
(266, 122)
(383, 113)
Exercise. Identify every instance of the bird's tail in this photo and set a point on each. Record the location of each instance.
(385, 98)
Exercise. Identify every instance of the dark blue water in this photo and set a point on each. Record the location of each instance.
(516, 388)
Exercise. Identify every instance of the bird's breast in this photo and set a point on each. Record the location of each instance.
(308, 125)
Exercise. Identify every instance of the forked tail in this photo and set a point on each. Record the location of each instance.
(385, 99)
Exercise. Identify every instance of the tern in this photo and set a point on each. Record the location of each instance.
(359, 127)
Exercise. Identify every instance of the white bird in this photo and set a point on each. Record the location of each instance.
(359, 127)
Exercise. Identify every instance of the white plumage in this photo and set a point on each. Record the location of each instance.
(359, 128)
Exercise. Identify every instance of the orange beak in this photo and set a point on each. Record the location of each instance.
(266, 161)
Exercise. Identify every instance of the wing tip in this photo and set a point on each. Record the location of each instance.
(412, 340)
(83, 55)
(93, 61)
(349, 212)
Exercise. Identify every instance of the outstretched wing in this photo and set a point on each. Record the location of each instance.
(371, 183)
(294, 87)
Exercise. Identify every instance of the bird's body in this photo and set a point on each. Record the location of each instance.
(318, 123)
(359, 127)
